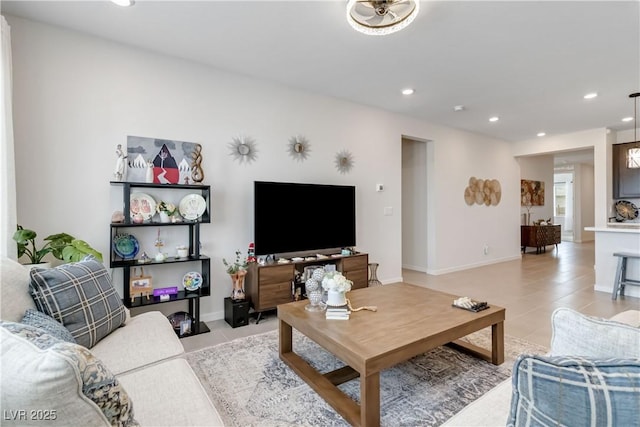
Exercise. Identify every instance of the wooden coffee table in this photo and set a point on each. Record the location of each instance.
(410, 320)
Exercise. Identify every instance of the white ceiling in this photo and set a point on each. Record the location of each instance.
(530, 63)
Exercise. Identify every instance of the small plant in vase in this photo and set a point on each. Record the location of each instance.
(166, 211)
(237, 271)
(336, 286)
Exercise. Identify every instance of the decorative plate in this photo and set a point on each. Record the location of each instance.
(626, 210)
(192, 206)
(143, 204)
(125, 246)
(192, 281)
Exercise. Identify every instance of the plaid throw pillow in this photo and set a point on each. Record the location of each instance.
(81, 296)
(575, 391)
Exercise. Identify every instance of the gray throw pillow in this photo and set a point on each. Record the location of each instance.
(81, 296)
(48, 324)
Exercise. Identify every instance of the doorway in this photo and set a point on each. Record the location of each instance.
(414, 204)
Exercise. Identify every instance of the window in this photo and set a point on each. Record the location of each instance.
(633, 158)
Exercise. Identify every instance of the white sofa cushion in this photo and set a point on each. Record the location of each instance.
(145, 339)
(574, 334)
(169, 394)
(46, 381)
(14, 285)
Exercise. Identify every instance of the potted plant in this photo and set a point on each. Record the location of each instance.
(62, 246)
(237, 271)
(336, 286)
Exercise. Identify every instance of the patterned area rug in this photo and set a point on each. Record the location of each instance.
(250, 386)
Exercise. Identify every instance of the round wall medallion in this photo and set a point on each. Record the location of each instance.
(299, 147)
(243, 149)
(344, 161)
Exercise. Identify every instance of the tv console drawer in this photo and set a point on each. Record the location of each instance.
(276, 274)
(355, 262)
(360, 278)
(274, 293)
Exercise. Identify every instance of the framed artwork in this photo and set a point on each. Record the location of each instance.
(163, 161)
(531, 193)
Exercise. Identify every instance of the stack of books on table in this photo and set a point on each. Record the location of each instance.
(338, 313)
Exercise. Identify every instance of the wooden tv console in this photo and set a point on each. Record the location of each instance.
(269, 285)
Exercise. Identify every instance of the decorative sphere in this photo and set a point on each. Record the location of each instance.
(311, 285)
(318, 274)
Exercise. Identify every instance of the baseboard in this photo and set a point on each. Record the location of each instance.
(393, 280)
(629, 291)
(474, 265)
(414, 268)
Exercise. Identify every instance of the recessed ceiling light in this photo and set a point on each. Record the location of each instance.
(123, 3)
(408, 91)
(627, 119)
(541, 134)
(494, 119)
(591, 95)
(458, 108)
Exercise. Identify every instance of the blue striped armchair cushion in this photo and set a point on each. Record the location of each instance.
(575, 391)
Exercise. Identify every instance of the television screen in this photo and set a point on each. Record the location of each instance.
(290, 217)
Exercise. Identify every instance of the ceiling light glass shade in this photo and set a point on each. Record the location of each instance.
(591, 95)
(123, 3)
(633, 154)
(381, 17)
(627, 119)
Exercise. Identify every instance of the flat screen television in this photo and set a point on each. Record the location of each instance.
(292, 217)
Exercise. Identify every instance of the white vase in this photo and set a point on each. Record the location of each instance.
(164, 218)
(40, 265)
(336, 298)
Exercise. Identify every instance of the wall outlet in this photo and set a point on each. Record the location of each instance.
(486, 249)
(379, 187)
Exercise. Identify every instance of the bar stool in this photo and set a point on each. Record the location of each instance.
(621, 274)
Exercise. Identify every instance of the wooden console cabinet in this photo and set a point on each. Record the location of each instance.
(270, 285)
(539, 236)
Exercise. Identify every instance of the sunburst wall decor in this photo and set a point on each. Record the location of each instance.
(299, 147)
(243, 149)
(344, 161)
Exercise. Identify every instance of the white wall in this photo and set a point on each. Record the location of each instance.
(584, 197)
(76, 97)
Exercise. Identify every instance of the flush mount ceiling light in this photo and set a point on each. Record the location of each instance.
(633, 153)
(591, 95)
(541, 134)
(627, 119)
(381, 17)
(408, 91)
(494, 119)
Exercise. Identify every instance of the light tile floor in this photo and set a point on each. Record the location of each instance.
(530, 289)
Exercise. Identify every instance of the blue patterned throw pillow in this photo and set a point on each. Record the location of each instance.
(48, 324)
(67, 380)
(81, 296)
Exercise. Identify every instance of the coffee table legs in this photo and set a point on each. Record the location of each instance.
(366, 414)
(495, 356)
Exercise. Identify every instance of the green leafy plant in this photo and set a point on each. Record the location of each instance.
(238, 264)
(62, 246)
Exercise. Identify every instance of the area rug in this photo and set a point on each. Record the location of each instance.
(250, 386)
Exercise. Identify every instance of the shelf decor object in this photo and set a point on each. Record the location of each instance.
(299, 147)
(381, 17)
(163, 161)
(243, 149)
(344, 161)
